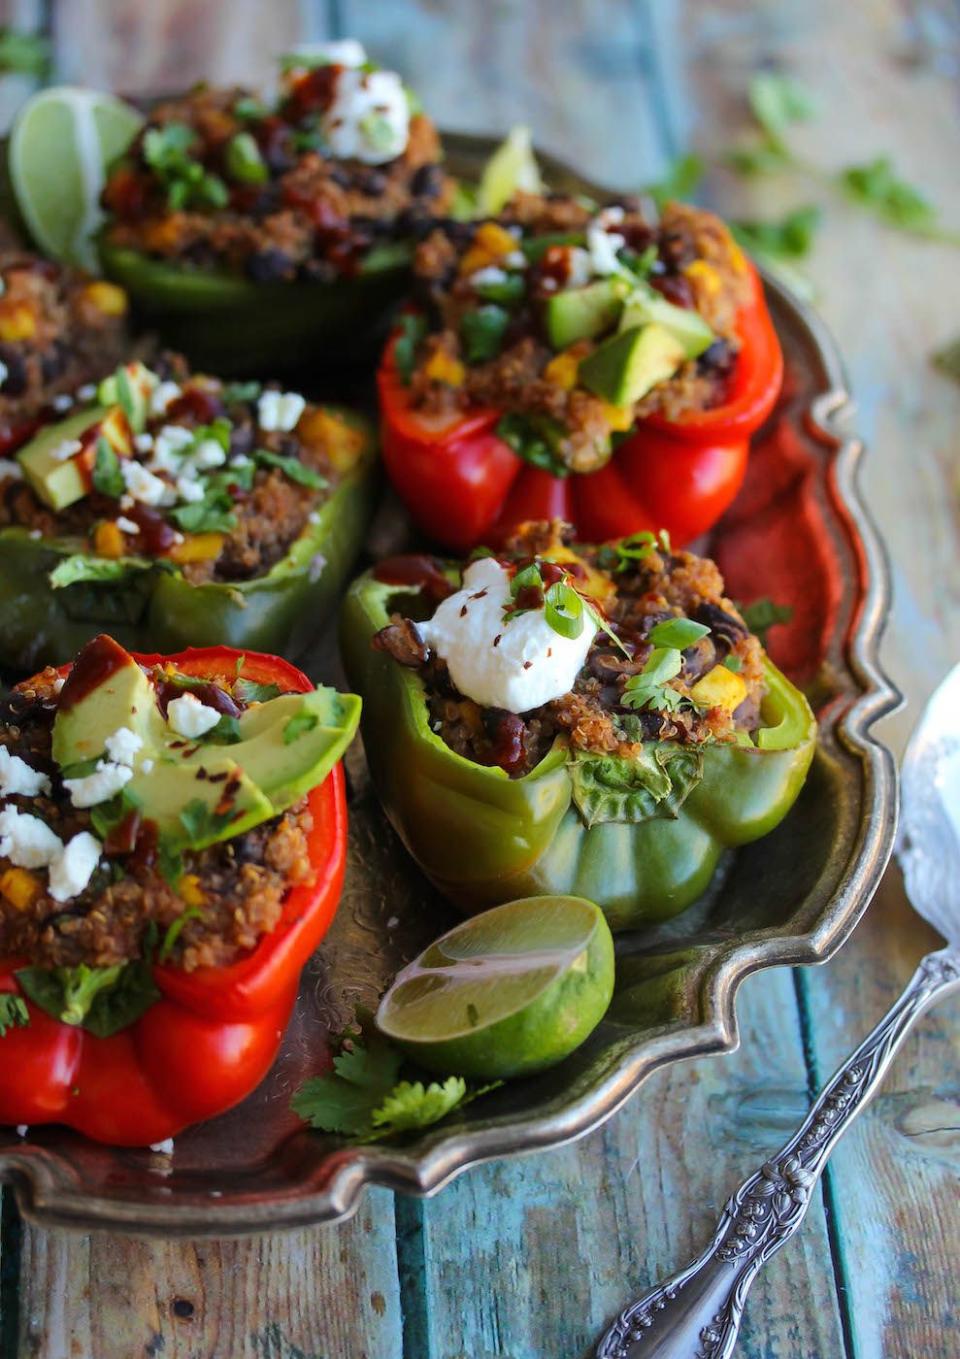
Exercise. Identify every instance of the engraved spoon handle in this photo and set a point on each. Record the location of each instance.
(696, 1314)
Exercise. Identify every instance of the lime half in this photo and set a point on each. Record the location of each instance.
(60, 145)
(506, 993)
(512, 166)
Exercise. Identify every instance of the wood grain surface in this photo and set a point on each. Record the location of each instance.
(526, 1260)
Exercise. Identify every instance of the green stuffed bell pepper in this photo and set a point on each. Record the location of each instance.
(669, 736)
(177, 511)
(255, 235)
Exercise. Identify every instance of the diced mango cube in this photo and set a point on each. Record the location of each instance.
(562, 370)
(17, 321)
(190, 891)
(107, 298)
(197, 547)
(619, 418)
(20, 887)
(720, 688)
(108, 539)
(443, 367)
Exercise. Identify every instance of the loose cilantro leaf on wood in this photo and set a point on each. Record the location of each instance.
(24, 53)
(791, 237)
(876, 187)
(680, 181)
(779, 100)
(13, 1013)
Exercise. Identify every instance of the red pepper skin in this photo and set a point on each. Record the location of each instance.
(214, 1034)
(463, 485)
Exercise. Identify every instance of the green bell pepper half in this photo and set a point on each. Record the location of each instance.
(157, 609)
(232, 326)
(483, 837)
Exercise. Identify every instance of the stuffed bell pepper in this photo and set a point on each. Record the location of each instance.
(555, 718)
(179, 510)
(251, 232)
(59, 330)
(605, 367)
(172, 847)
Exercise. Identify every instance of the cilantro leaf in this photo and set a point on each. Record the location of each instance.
(334, 1106)
(791, 237)
(24, 53)
(535, 439)
(680, 181)
(13, 1013)
(777, 101)
(240, 391)
(201, 822)
(412, 330)
(677, 632)
(79, 567)
(102, 1000)
(293, 468)
(412, 1105)
(249, 691)
(370, 1062)
(650, 689)
(876, 187)
(482, 332)
(212, 514)
(762, 614)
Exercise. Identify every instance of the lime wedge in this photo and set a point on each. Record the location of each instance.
(512, 166)
(506, 993)
(60, 145)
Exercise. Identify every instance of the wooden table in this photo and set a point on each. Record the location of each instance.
(527, 1260)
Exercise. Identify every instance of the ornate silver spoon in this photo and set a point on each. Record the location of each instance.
(696, 1313)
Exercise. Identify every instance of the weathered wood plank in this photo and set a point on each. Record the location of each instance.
(328, 1293)
(531, 1258)
(893, 1181)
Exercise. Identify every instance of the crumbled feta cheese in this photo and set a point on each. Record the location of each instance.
(189, 489)
(581, 268)
(189, 717)
(169, 448)
(11, 469)
(143, 443)
(62, 402)
(72, 870)
(87, 392)
(123, 745)
(368, 118)
(104, 783)
(68, 449)
(515, 260)
(23, 1129)
(313, 517)
(126, 525)
(517, 664)
(143, 485)
(483, 278)
(603, 245)
(341, 52)
(208, 453)
(316, 568)
(279, 410)
(146, 766)
(16, 776)
(240, 460)
(27, 841)
(35, 534)
(162, 396)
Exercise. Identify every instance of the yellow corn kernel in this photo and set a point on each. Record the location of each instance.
(20, 888)
(329, 433)
(190, 891)
(562, 370)
(108, 540)
(738, 259)
(106, 297)
(17, 321)
(720, 688)
(197, 547)
(619, 418)
(704, 277)
(442, 367)
(592, 582)
(163, 233)
(496, 240)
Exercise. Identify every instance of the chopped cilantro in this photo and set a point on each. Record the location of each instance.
(175, 929)
(13, 1013)
(201, 822)
(412, 330)
(102, 1000)
(249, 691)
(763, 614)
(293, 468)
(650, 689)
(241, 391)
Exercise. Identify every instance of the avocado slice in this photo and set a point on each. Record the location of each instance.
(581, 313)
(58, 482)
(287, 746)
(646, 305)
(624, 368)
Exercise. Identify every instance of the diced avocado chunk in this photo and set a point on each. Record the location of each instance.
(58, 482)
(624, 368)
(201, 791)
(129, 387)
(581, 313)
(646, 305)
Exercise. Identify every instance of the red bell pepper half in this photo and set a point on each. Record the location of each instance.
(464, 485)
(214, 1033)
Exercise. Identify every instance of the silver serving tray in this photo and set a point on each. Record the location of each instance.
(791, 898)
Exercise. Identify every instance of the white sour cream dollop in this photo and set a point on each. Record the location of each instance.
(517, 664)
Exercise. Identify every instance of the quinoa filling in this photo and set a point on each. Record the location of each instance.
(522, 314)
(306, 188)
(671, 659)
(206, 909)
(216, 479)
(59, 329)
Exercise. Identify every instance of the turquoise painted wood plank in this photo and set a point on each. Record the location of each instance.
(586, 77)
(529, 1259)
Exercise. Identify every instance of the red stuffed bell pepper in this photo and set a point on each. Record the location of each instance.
(172, 850)
(609, 374)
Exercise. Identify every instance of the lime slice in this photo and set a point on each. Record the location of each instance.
(506, 993)
(512, 166)
(61, 143)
